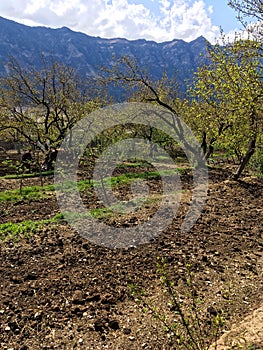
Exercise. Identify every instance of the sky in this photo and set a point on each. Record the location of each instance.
(158, 20)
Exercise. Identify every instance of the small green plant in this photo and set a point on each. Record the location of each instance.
(19, 170)
(186, 323)
(14, 231)
(251, 346)
(245, 346)
(26, 193)
(256, 162)
(27, 176)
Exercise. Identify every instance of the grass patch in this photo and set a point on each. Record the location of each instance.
(162, 158)
(15, 231)
(147, 175)
(135, 164)
(27, 176)
(105, 212)
(121, 208)
(41, 192)
(123, 179)
(26, 228)
(27, 193)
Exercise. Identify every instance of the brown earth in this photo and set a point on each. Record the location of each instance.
(60, 291)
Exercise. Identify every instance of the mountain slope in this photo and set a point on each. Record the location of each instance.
(87, 54)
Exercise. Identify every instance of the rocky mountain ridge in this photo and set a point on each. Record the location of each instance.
(87, 54)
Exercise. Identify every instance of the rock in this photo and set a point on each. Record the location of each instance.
(114, 325)
(127, 331)
(99, 326)
(212, 311)
(78, 297)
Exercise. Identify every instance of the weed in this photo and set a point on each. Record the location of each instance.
(135, 164)
(245, 346)
(14, 231)
(28, 175)
(19, 169)
(256, 163)
(39, 192)
(187, 325)
(26, 193)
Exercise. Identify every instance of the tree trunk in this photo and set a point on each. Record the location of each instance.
(204, 143)
(245, 160)
(209, 152)
(208, 148)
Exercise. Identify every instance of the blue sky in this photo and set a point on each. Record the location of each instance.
(223, 15)
(159, 20)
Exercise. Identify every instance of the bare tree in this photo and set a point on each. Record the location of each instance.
(125, 72)
(248, 8)
(42, 105)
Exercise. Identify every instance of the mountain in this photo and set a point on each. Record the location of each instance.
(87, 54)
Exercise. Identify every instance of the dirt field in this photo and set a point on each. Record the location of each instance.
(60, 291)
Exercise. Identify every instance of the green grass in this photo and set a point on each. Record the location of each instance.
(98, 213)
(26, 228)
(123, 179)
(11, 230)
(41, 192)
(27, 193)
(15, 231)
(162, 158)
(29, 175)
(104, 212)
(135, 164)
(147, 175)
(119, 208)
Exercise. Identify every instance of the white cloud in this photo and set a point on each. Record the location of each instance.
(253, 30)
(187, 21)
(175, 19)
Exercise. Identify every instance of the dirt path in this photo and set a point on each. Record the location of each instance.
(248, 334)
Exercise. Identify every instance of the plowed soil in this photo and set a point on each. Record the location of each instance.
(60, 291)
